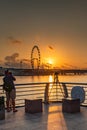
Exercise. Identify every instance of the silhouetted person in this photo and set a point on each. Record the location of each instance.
(10, 90)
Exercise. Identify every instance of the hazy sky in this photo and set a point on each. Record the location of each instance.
(57, 27)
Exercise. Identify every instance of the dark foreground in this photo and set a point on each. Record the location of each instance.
(52, 118)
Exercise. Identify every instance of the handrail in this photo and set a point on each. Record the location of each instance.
(38, 90)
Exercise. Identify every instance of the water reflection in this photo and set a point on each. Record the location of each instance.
(50, 80)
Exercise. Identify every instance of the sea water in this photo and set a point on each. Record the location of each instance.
(49, 78)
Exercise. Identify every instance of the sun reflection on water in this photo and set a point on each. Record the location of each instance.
(50, 80)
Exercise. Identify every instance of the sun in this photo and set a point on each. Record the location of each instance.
(50, 61)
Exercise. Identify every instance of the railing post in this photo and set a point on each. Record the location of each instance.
(65, 90)
(46, 94)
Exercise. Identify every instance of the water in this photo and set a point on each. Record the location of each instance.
(50, 78)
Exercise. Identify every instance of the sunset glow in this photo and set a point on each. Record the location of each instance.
(50, 61)
(58, 28)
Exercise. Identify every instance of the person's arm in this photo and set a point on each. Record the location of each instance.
(13, 78)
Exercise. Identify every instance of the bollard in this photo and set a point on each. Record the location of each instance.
(2, 108)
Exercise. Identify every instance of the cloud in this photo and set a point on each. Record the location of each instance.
(26, 60)
(12, 58)
(13, 61)
(50, 47)
(68, 66)
(13, 40)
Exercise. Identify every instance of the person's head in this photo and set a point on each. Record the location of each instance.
(6, 72)
(10, 73)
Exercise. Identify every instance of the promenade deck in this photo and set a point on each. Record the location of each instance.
(52, 118)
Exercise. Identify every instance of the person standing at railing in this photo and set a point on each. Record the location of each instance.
(10, 90)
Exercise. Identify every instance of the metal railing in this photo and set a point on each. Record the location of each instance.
(47, 91)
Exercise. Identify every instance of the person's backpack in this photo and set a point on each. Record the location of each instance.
(7, 86)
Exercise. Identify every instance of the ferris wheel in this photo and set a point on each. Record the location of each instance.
(35, 57)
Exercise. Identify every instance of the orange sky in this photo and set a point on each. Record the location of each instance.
(58, 28)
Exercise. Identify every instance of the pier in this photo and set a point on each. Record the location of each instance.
(52, 117)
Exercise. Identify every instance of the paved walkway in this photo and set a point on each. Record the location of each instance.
(51, 118)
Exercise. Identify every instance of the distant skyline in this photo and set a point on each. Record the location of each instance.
(57, 27)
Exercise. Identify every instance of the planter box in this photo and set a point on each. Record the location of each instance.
(70, 105)
(33, 106)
